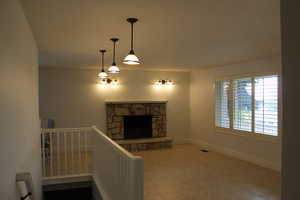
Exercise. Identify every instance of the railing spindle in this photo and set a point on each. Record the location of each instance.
(72, 152)
(43, 152)
(79, 153)
(58, 152)
(51, 152)
(66, 153)
(86, 151)
(113, 165)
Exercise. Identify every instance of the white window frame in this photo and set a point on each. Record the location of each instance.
(251, 133)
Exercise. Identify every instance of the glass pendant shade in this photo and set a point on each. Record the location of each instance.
(102, 74)
(113, 68)
(131, 59)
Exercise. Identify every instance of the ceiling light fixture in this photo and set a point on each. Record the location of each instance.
(102, 74)
(114, 68)
(131, 58)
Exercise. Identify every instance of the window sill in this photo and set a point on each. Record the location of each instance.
(246, 134)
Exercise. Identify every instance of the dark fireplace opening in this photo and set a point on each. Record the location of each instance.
(137, 126)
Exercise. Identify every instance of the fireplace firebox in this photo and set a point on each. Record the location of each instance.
(137, 126)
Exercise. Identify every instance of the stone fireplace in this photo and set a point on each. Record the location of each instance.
(138, 125)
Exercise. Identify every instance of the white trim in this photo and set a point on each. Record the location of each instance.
(181, 141)
(121, 101)
(96, 191)
(100, 188)
(250, 135)
(246, 75)
(242, 156)
(114, 144)
(66, 179)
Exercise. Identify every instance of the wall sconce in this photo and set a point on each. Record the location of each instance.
(163, 82)
(108, 81)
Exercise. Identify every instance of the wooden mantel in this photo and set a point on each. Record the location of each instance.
(121, 101)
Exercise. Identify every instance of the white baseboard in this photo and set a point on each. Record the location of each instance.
(242, 156)
(182, 141)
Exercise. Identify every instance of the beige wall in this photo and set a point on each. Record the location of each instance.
(254, 149)
(19, 123)
(73, 98)
(291, 87)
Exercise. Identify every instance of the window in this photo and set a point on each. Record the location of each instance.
(222, 104)
(266, 105)
(242, 114)
(248, 104)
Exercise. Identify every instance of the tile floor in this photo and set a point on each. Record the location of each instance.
(186, 173)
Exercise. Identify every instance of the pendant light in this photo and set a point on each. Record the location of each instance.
(102, 74)
(114, 68)
(131, 58)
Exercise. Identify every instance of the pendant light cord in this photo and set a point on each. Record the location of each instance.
(102, 60)
(114, 54)
(131, 36)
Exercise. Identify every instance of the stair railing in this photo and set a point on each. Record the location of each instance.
(66, 151)
(117, 173)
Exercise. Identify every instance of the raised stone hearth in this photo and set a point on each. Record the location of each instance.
(146, 144)
(116, 111)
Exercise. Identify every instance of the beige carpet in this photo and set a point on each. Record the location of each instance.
(186, 173)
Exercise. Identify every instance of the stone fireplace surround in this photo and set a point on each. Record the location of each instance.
(115, 110)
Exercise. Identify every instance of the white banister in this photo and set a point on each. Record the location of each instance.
(118, 173)
(62, 151)
(67, 152)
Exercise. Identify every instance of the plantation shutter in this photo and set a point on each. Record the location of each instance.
(222, 104)
(242, 99)
(266, 105)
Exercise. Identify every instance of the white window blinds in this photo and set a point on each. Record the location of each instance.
(222, 104)
(248, 104)
(266, 105)
(242, 90)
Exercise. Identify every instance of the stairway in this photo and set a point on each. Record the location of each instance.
(78, 191)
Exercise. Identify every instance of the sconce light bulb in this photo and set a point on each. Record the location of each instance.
(104, 82)
(169, 82)
(115, 82)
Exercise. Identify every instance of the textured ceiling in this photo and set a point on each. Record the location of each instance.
(170, 34)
